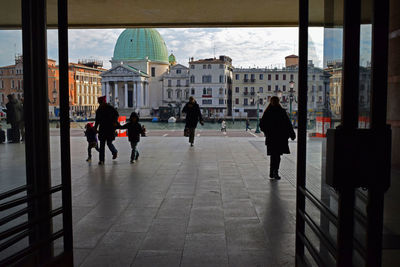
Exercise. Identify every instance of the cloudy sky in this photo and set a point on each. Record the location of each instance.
(248, 47)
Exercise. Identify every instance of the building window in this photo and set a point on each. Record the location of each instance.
(206, 79)
(261, 77)
(269, 88)
(236, 89)
(221, 101)
(178, 71)
(313, 77)
(192, 91)
(237, 76)
(192, 80)
(169, 93)
(320, 87)
(237, 101)
(276, 87)
(207, 101)
(204, 91)
(221, 91)
(261, 90)
(178, 83)
(252, 89)
(1, 84)
(284, 77)
(169, 83)
(209, 66)
(246, 76)
(221, 78)
(291, 77)
(252, 76)
(276, 77)
(187, 94)
(192, 66)
(12, 84)
(269, 77)
(261, 101)
(313, 88)
(209, 91)
(187, 82)
(245, 101)
(204, 66)
(178, 94)
(221, 66)
(246, 89)
(283, 87)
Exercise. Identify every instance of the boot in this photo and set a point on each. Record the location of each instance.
(276, 175)
(271, 173)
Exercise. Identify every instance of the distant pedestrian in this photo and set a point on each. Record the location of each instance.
(277, 129)
(247, 125)
(193, 116)
(135, 130)
(106, 121)
(91, 138)
(223, 126)
(14, 117)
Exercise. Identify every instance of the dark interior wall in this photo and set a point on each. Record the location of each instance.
(394, 80)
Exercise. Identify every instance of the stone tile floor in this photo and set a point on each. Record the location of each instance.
(210, 205)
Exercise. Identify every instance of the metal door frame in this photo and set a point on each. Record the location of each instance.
(343, 250)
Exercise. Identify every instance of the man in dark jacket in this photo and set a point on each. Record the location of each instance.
(14, 117)
(135, 130)
(193, 116)
(107, 122)
(277, 129)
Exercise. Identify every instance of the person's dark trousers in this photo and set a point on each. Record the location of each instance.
(103, 147)
(191, 135)
(274, 167)
(90, 146)
(134, 153)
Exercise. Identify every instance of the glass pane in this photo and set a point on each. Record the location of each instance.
(12, 129)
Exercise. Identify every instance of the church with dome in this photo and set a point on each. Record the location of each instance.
(134, 82)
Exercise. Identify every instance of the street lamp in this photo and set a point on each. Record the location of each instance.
(291, 86)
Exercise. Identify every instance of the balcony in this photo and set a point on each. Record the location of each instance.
(252, 93)
(245, 93)
(245, 80)
(252, 80)
(178, 85)
(245, 104)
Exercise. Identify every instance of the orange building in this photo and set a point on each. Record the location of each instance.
(84, 85)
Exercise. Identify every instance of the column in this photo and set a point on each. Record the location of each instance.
(107, 92)
(135, 94)
(147, 95)
(142, 85)
(139, 94)
(126, 95)
(116, 94)
(103, 88)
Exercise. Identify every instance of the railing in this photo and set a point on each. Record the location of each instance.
(245, 93)
(252, 93)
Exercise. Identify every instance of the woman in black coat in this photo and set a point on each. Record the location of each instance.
(277, 129)
(193, 116)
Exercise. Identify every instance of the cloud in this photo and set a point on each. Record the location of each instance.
(248, 47)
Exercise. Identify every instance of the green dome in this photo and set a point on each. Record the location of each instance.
(137, 44)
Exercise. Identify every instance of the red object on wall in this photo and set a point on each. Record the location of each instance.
(122, 132)
(323, 124)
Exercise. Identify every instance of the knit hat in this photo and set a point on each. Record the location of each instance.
(102, 99)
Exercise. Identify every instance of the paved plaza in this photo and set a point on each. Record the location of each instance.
(207, 205)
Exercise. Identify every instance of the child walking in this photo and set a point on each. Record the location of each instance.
(135, 130)
(91, 137)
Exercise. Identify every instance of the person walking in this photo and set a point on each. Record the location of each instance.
(91, 138)
(247, 125)
(223, 126)
(107, 122)
(193, 116)
(135, 130)
(277, 129)
(14, 117)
